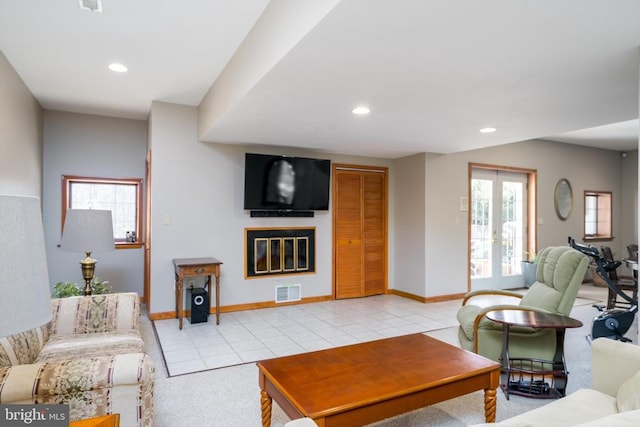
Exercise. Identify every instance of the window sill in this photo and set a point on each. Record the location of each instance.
(129, 245)
(598, 238)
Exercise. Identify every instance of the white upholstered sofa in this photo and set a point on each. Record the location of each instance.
(89, 356)
(613, 400)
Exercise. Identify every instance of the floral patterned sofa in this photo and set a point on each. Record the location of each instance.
(89, 356)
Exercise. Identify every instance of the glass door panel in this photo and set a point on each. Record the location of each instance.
(498, 229)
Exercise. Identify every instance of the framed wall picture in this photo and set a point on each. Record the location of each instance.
(563, 199)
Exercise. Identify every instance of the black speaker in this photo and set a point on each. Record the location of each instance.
(199, 305)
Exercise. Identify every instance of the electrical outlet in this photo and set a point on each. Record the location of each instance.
(192, 283)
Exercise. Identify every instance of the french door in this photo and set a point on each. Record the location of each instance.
(498, 228)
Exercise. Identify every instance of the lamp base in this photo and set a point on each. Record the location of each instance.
(88, 266)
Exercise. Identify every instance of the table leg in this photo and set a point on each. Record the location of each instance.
(490, 405)
(506, 363)
(559, 365)
(179, 302)
(217, 296)
(208, 285)
(265, 404)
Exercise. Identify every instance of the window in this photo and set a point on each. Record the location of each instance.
(597, 215)
(123, 197)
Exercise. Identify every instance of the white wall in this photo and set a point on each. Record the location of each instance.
(199, 188)
(93, 146)
(20, 135)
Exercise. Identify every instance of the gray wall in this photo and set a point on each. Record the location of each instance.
(445, 225)
(630, 195)
(20, 135)
(409, 252)
(94, 146)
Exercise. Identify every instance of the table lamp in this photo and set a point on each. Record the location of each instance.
(25, 295)
(87, 230)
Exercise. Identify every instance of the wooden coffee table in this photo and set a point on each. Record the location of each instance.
(363, 383)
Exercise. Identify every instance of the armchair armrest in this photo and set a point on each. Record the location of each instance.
(91, 386)
(478, 314)
(95, 313)
(488, 297)
(613, 362)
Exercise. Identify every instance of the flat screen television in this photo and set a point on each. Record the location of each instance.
(286, 183)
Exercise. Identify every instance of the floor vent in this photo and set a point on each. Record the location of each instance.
(285, 293)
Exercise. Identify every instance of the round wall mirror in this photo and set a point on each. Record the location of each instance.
(563, 199)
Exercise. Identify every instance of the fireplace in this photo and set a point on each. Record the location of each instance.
(279, 251)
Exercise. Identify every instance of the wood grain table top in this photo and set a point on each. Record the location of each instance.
(330, 381)
(534, 319)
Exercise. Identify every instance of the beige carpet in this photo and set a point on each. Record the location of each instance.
(230, 397)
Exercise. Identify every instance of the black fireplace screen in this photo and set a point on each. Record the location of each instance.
(279, 251)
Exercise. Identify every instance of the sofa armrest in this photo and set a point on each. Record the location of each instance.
(95, 313)
(613, 362)
(91, 386)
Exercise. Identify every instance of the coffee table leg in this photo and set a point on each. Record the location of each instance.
(490, 405)
(265, 403)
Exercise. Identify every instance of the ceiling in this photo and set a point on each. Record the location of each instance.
(288, 73)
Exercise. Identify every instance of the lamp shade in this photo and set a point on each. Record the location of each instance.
(25, 295)
(87, 230)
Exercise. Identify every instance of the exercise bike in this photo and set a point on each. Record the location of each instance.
(612, 323)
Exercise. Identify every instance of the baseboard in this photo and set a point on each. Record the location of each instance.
(439, 298)
(241, 307)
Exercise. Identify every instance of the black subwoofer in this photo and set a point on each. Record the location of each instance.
(199, 305)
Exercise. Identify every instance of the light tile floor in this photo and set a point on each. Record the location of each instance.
(249, 336)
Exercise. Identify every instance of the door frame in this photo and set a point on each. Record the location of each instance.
(532, 206)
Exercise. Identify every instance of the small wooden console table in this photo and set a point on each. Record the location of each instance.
(196, 267)
(554, 370)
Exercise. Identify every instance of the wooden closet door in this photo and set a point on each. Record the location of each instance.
(348, 233)
(373, 233)
(360, 232)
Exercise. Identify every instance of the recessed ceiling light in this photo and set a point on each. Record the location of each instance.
(118, 68)
(360, 111)
(487, 130)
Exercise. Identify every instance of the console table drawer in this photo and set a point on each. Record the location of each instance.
(195, 270)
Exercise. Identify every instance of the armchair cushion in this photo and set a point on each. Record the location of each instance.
(542, 297)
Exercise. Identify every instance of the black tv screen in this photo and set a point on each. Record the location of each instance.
(286, 183)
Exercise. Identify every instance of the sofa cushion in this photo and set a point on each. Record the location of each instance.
(628, 397)
(542, 297)
(582, 406)
(622, 419)
(89, 345)
(98, 313)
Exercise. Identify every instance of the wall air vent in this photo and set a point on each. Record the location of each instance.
(92, 5)
(286, 293)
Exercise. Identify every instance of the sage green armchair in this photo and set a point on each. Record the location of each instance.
(559, 275)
